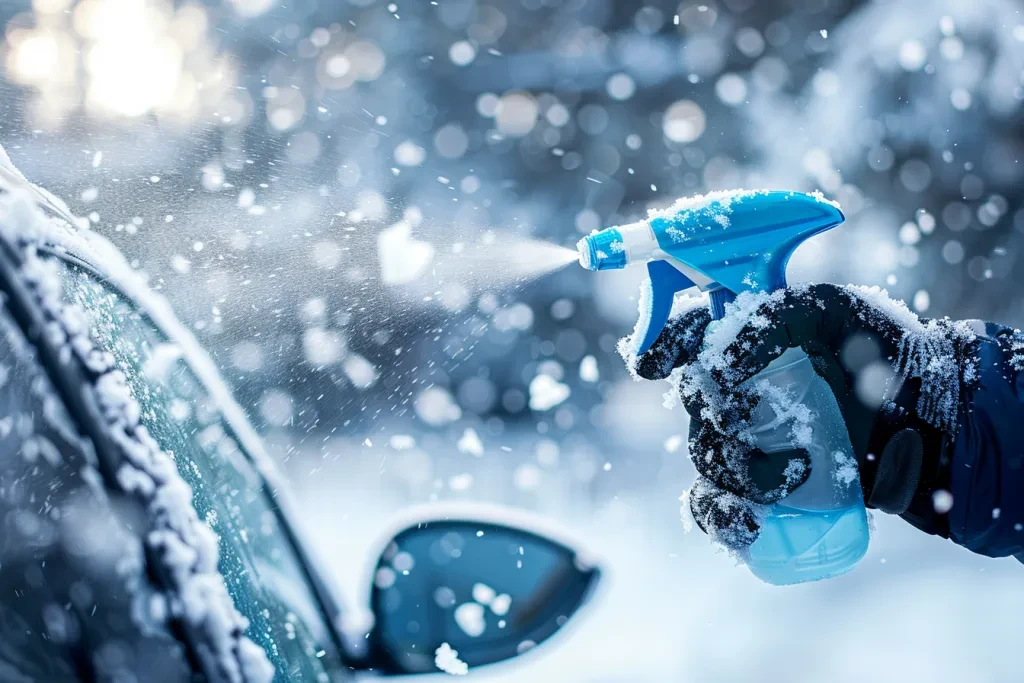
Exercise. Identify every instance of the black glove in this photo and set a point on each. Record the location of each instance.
(856, 339)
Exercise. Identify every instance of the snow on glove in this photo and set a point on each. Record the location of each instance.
(898, 380)
(734, 478)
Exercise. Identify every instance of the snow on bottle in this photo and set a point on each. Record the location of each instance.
(727, 243)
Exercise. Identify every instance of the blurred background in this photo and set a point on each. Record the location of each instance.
(330, 193)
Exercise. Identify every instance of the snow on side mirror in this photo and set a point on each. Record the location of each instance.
(484, 590)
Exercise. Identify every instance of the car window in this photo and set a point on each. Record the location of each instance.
(37, 475)
(260, 566)
(65, 551)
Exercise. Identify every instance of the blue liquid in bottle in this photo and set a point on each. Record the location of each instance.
(820, 530)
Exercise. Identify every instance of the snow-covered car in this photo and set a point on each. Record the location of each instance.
(146, 537)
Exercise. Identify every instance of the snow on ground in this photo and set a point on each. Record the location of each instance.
(671, 609)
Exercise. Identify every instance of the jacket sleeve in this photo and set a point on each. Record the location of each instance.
(987, 458)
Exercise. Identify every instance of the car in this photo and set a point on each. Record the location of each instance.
(147, 537)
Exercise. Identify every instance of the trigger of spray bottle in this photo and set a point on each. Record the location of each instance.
(620, 246)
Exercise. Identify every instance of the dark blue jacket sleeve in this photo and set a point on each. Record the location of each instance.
(987, 463)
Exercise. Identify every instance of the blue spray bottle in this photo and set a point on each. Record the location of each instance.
(726, 243)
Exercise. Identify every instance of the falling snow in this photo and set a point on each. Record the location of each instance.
(447, 660)
(364, 218)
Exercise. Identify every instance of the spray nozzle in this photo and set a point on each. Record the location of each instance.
(614, 248)
(588, 253)
(602, 250)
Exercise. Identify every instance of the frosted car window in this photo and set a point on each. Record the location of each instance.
(67, 558)
(259, 564)
(37, 485)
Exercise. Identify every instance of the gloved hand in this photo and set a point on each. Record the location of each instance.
(863, 344)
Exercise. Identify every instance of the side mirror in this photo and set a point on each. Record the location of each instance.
(488, 591)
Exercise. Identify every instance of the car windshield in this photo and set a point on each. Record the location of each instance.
(258, 561)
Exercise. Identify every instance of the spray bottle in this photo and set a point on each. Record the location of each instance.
(725, 243)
